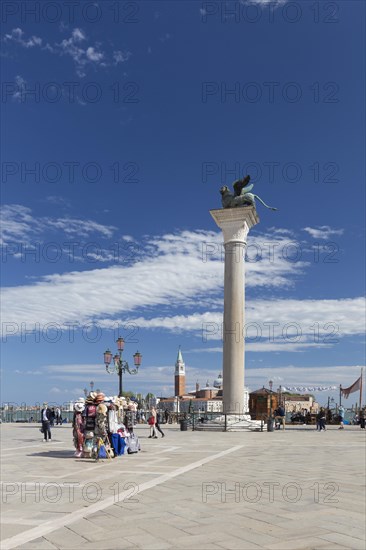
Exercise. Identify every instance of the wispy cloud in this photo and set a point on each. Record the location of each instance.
(305, 322)
(77, 46)
(21, 84)
(17, 36)
(323, 232)
(82, 56)
(18, 224)
(159, 379)
(160, 298)
(121, 57)
(274, 3)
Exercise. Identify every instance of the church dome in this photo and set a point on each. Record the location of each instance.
(218, 382)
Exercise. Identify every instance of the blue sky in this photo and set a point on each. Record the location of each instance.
(118, 131)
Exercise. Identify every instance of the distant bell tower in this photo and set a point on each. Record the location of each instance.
(179, 375)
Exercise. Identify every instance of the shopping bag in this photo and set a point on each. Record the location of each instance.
(102, 452)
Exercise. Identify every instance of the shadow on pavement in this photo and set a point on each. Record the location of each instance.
(54, 453)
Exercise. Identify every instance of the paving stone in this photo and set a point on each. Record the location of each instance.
(88, 530)
(308, 543)
(64, 538)
(174, 513)
(38, 544)
(148, 542)
(341, 539)
(234, 543)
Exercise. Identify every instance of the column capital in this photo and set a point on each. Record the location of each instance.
(235, 222)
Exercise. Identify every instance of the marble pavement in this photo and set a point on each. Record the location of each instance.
(292, 489)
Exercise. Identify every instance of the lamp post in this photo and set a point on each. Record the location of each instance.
(91, 388)
(119, 365)
(270, 383)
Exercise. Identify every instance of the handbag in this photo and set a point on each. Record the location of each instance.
(41, 430)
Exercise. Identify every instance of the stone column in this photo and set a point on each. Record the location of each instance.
(235, 224)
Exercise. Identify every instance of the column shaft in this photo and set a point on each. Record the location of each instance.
(233, 328)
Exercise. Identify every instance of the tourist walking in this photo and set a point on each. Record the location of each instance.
(46, 416)
(320, 420)
(362, 419)
(58, 416)
(152, 423)
(341, 417)
(166, 415)
(157, 425)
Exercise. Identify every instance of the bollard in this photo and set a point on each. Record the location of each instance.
(270, 425)
(183, 425)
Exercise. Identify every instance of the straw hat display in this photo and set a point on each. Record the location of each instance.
(99, 398)
(102, 409)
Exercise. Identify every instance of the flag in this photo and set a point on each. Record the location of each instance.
(355, 386)
(308, 388)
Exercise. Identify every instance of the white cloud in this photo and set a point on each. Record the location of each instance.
(299, 375)
(267, 346)
(17, 34)
(20, 82)
(94, 55)
(153, 279)
(274, 3)
(75, 46)
(156, 378)
(323, 232)
(71, 46)
(18, 225)
(121, 57)
(283, 321)
(55, 390)
(29, 372)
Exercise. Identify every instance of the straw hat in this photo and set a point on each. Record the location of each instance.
(99, 397)
(102, 409)
(79, 407)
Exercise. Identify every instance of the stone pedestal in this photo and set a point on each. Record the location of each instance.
(235, 224)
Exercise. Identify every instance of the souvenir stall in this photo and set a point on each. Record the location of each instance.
(103, 427)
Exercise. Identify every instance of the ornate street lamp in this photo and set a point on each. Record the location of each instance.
(120, 366)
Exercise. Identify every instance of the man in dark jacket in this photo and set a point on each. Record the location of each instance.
(280, 416)
(46, 416)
